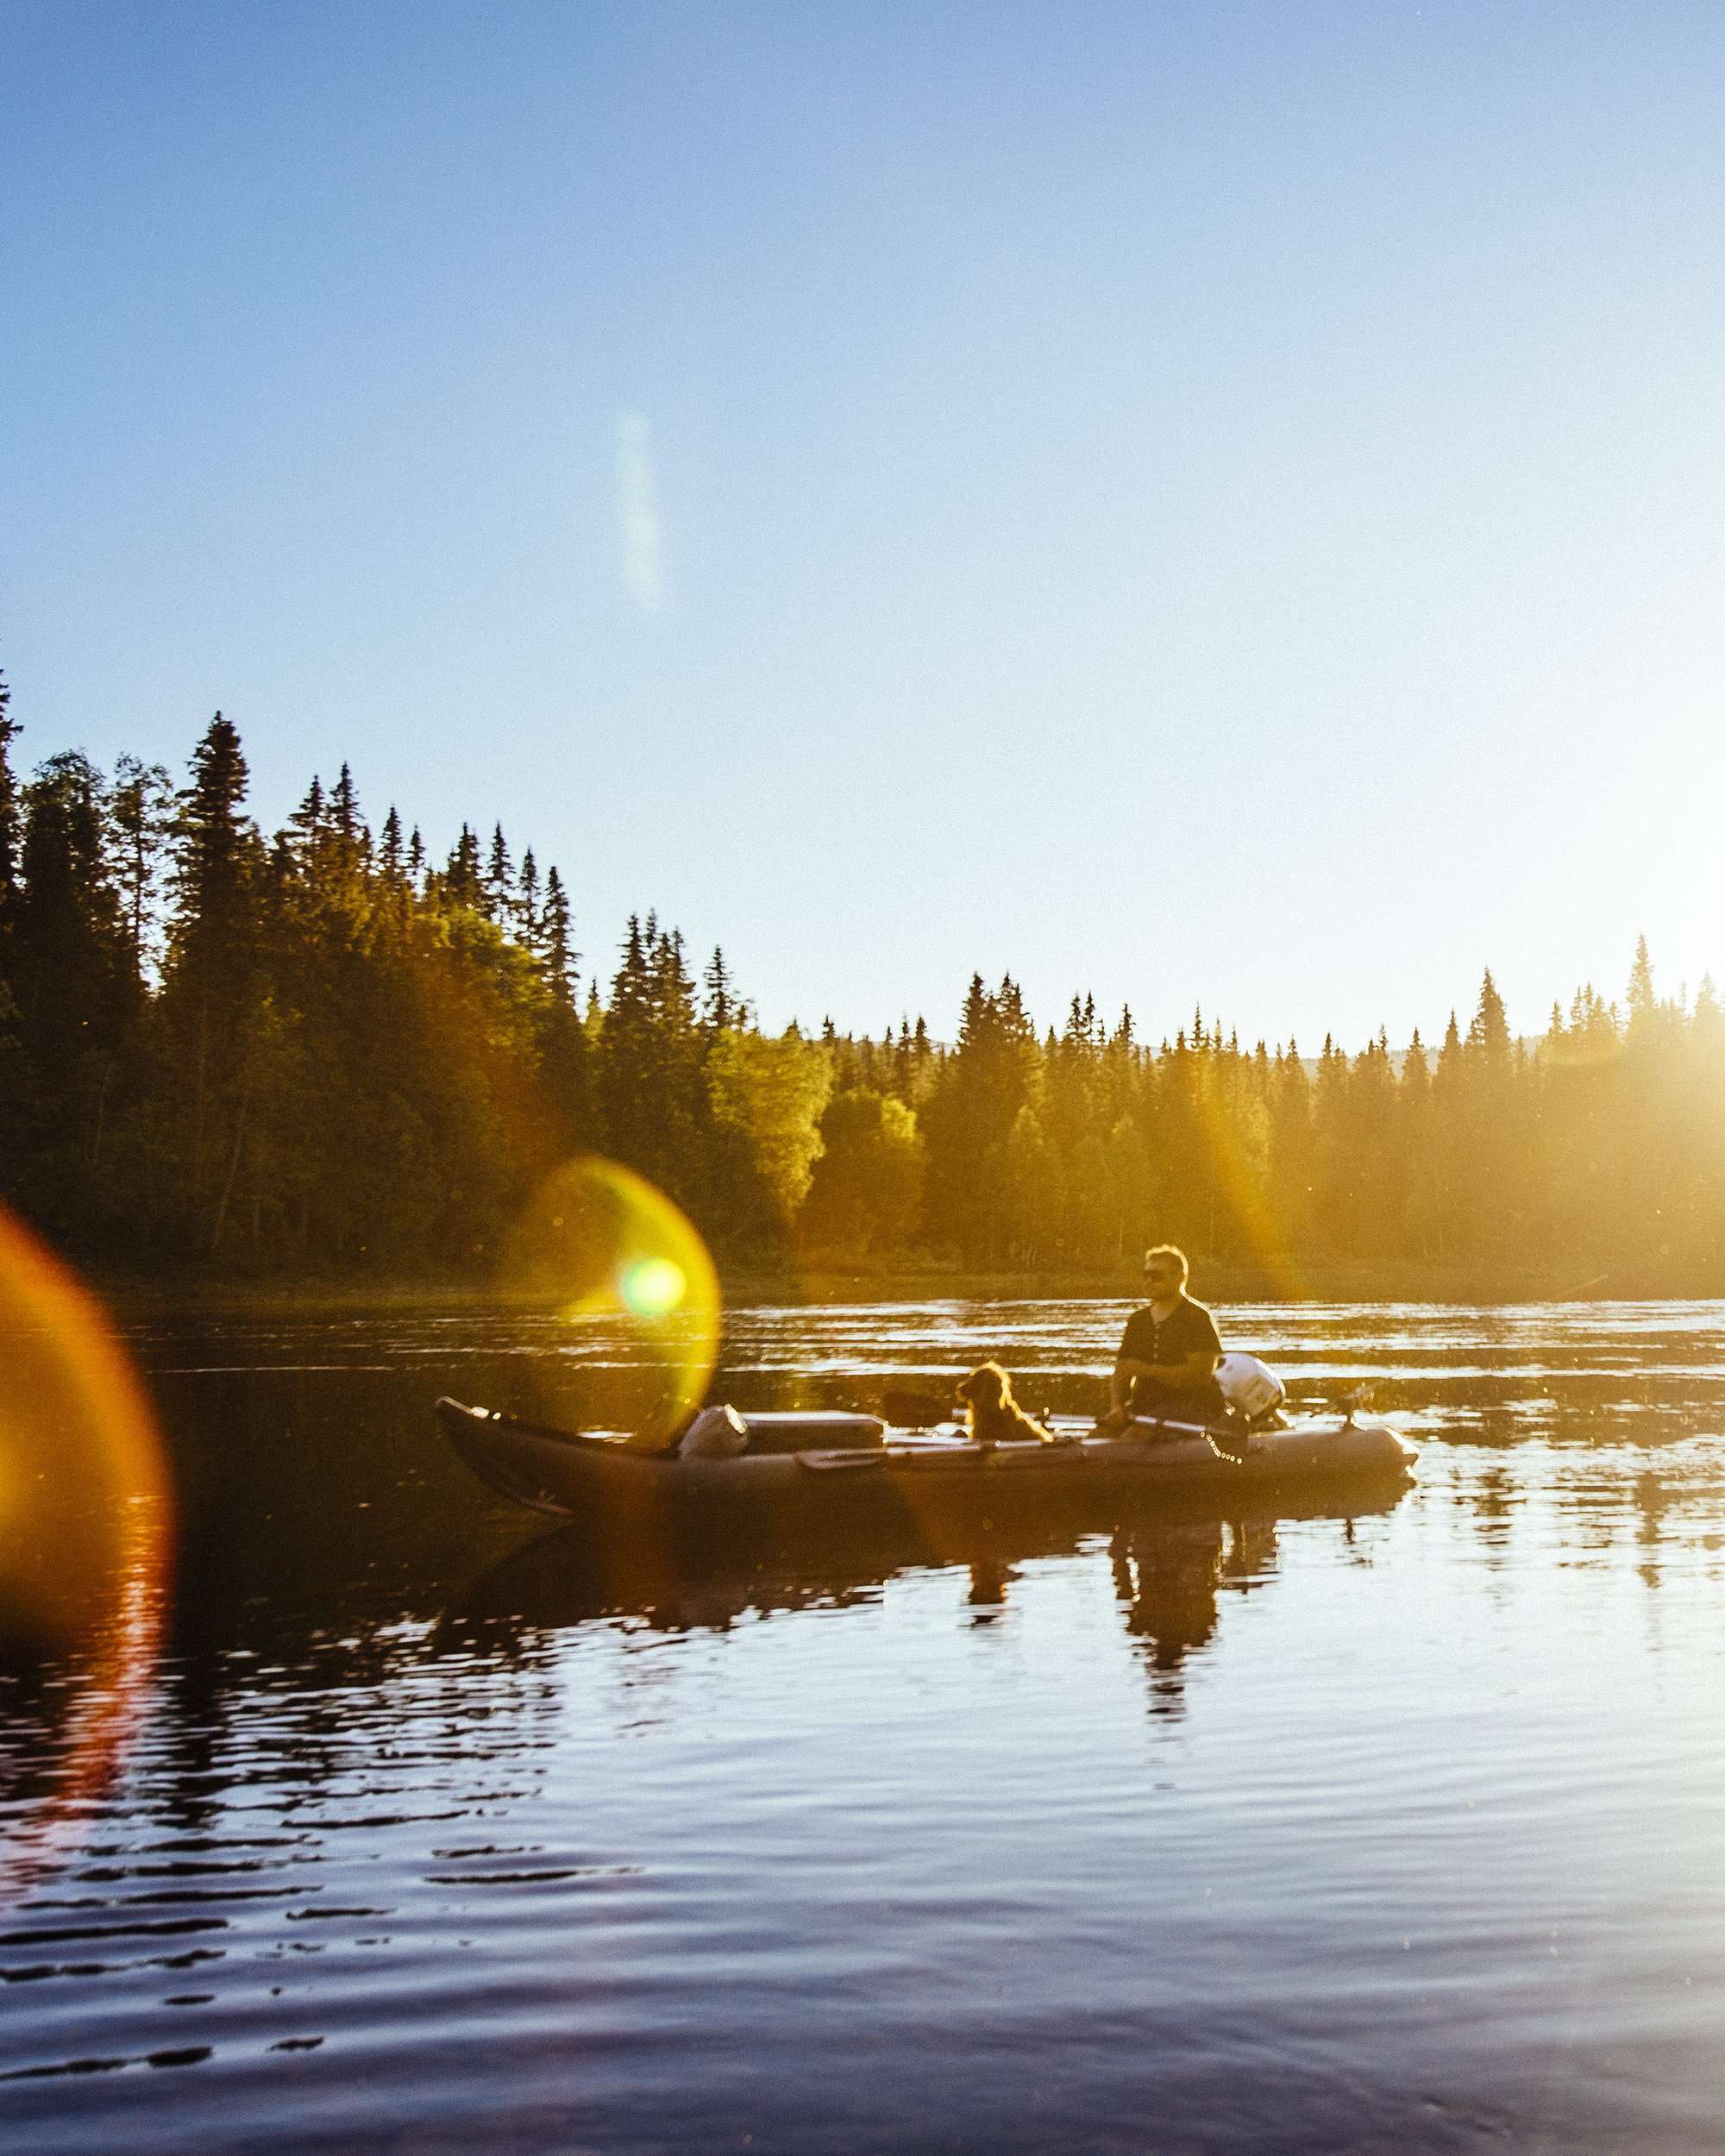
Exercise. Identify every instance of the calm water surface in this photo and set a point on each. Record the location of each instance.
(1403, 1831)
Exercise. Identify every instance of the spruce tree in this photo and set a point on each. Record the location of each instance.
(1640, 1000)
(215, 844)
(528, 924)
(462, 883)
(625, 1049)
(498, 889)
(344, 808)
(306, 825)
(75, 997)
(13, 1137)
(560, 954)
(141, 821)
(9, 730)
(1489, 1031)
(212, 946)
(74, 965)
(718, 1009)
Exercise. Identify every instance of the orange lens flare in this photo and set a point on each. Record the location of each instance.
(86, 1523)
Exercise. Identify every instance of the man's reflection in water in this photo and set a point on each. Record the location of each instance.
(989, 1577)
(1250, 1557)
(1167, 1578)
(1652, 1501)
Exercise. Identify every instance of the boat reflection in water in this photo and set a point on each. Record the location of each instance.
(1169, 1569)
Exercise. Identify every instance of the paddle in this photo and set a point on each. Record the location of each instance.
(1222, 1442)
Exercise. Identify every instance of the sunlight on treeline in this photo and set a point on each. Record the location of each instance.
(321, 1052)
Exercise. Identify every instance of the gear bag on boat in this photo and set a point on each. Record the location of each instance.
(716, 1433)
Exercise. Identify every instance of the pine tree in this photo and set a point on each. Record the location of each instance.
(212, 946)
(625, 1050)
(344, 809)
(462, 883)
(561, 956)
(74, 964)
(139, 812)
(1451, 1211)
(719, 1010)
(1489, 1031)
(306, 825)
(528, 926)
(9, 730)
(497, 890)
(214, 848)
(76, 992)
(972, 1107)
(16, 1133)
(1642, 1005)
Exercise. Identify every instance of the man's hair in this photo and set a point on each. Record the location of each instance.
(1176, 1257)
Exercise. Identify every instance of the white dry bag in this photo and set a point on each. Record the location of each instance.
(716, 1433)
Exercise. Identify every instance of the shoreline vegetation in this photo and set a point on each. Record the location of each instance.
(321, 1061)
(1451, 1287)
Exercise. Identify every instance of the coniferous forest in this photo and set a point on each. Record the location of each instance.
(322, 1053)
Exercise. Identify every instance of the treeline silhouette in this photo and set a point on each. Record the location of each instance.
(322, 1052)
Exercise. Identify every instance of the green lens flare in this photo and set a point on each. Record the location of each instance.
(654, 1287)
(636, 1291)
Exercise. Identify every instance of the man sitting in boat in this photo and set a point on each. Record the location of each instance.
(1166, 1368)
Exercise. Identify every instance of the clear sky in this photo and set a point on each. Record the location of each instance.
(1191, 503)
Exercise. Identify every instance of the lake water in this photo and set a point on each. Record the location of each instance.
(1402, 1831)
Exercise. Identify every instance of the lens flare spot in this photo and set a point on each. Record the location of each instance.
(654, 1288)
(85, 1530)
(635, 1289)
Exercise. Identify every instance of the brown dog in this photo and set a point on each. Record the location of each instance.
(992, 1416)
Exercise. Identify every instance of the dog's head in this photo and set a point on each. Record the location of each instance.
(988, 1386)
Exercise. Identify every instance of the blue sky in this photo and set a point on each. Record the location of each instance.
(1187, 502)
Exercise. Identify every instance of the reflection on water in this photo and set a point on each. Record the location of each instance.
(1254, 1834)
(1167, 1573)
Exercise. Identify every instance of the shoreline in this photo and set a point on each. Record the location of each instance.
(824, 1283)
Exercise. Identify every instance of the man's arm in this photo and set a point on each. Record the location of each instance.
(1191, 1373)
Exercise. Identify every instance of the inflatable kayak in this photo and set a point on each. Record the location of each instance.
(843, 1461)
